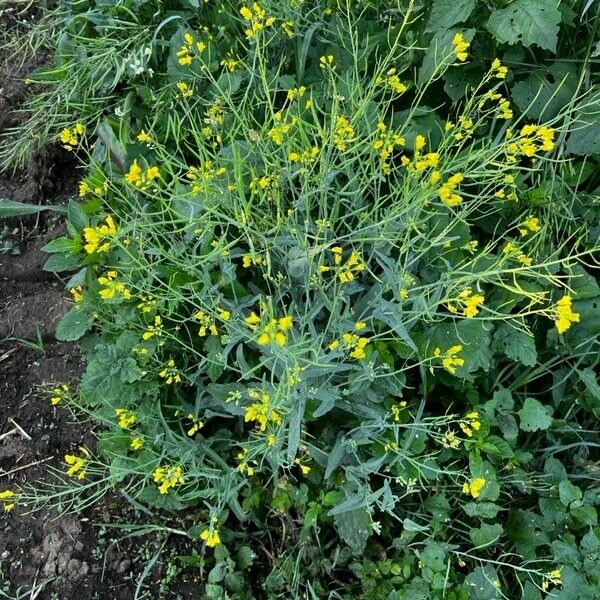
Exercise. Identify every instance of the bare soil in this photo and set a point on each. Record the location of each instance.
(47, 555)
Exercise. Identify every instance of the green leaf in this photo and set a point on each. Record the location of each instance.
(10, 208)
(527, 22)
(535, 416)
(60, 244)
(433, 556)
(480, 583)
(214, 356)
(518, 345)
(354, 527)
(446, 13)
(584, 138)
(546, 91)
(76, 216)
(567, 492)
(486, 535)
(73, 325)
(58, 263)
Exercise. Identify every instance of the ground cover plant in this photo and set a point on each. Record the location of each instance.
(335, 276)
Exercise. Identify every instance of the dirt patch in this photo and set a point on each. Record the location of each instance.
(49, 554)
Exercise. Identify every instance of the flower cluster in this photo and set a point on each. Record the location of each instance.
(461, 46)
(392, 81)
(257, 19)
(60, 393)
(7, 497)
(347, 270)
(208, 322)
(139, 178)
(261, 411)
(470, 423)
(97, 239)
(185, 54)
(450, 359)
(275, 330)
(565, 316)
(77, 464)
(447, 190)
(127, 418)
(167, 477)
(112, 287)
(71, 138)
(474, 487)
(170, 373)
(355, 345)
(467, 302)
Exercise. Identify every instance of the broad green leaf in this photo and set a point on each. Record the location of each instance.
(58, 263)
(73, 325)
(485, 535)
(446, 13)
(518, 345)
(527, 22)
(10, 208)
(546, 91)
(480, 584)
(354, 527)
(584, 138)
(567, 492)
(433, 556)
(535, 416)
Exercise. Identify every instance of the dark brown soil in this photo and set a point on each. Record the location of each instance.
(48, 555)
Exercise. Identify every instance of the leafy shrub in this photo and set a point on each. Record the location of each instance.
(340, 294)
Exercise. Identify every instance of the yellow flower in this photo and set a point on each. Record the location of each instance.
(77, 293)
(446, 191)
(257, 18)
(474, 487)
(77, 464)
(326, 61)
(392, 80)
(564, 315)
(112, 287)
(499, 70)
(126, 417)
(143, 137)
(450, 440)
(154, 330)
(354, 344)
(136, 443)
(450, 359)
(10, 496)
(553, 577)
(140, 179)
(304, 468)
(230, 62)
(168, 476)
(460, 46)
(60, 393)
(98, 238)
(468, 302)
(261, 412)
(470, 423)
(343, 134)
(211, 537)
(71, 138)
(397, 410)
(530, 224)
(170, 373)
(184, 89)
